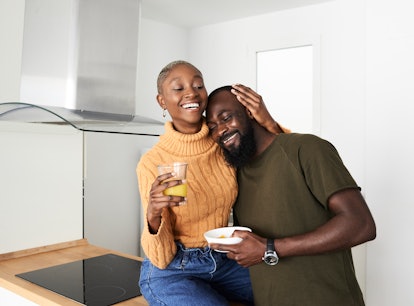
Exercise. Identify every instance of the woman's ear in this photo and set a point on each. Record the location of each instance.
(160, 100)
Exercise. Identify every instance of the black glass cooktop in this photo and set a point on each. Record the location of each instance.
(98, 281)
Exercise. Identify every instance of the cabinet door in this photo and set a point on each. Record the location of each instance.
(112, 208)
(40, 185)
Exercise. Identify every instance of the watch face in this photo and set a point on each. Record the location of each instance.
(271, 258)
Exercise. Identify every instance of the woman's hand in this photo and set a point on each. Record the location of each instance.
(158, 201)
(255, 105)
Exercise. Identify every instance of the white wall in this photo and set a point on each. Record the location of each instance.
(390, 147)
(158, 45)
(11, 40)
(340, 46)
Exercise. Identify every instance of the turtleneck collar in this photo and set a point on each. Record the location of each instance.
(178, 143)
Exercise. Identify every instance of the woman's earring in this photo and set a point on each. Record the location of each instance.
(164, 113)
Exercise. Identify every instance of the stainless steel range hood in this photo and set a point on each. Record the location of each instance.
(81, 55)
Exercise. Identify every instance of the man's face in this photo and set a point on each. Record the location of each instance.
(231, 128)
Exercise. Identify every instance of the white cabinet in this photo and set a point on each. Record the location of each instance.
(112, 209)
(59, 184)
(40, 185)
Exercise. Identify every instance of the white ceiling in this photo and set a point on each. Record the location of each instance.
(194, 13)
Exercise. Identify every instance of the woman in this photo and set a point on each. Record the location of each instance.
(180, 268)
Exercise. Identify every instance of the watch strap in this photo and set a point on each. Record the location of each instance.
(270, 244)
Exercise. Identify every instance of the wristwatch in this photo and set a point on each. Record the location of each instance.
(270, 257)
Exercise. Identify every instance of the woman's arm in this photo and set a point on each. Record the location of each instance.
(157, 239)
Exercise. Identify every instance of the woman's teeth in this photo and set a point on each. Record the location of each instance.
(190, 105)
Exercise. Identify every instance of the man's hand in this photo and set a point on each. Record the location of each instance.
(248, 252)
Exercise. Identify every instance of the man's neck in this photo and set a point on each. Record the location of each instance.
(262, 137)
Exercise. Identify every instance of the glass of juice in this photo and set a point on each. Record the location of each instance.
(180, 173)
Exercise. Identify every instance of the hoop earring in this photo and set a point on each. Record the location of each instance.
(164, 113)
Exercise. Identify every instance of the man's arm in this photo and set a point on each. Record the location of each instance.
(351, 224)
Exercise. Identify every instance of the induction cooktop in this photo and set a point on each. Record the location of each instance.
(97, 281)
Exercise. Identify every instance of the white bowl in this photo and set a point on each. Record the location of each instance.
(222, 235)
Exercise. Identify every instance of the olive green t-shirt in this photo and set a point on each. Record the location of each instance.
(285, 192)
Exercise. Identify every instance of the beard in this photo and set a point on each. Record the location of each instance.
(238, 157)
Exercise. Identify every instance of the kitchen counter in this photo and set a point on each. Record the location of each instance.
(42, 257)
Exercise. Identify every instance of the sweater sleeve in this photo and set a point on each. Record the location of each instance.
(160, 248)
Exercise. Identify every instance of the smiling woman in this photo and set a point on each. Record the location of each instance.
(181, 91)
(173, 233)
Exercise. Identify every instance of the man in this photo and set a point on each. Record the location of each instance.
(303, 206)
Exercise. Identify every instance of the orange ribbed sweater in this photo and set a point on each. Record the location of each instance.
(212, 190)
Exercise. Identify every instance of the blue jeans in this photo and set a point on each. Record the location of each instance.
(196, 277)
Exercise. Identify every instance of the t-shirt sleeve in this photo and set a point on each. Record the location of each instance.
(324, 171)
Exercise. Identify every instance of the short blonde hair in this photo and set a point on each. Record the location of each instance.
(167, 69)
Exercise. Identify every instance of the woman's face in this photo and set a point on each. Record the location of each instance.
(185, 97)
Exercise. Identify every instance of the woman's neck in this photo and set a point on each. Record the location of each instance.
(187, 128)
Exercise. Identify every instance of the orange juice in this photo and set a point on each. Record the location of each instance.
(179, 190)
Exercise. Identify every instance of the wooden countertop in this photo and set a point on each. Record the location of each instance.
(43, 257)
